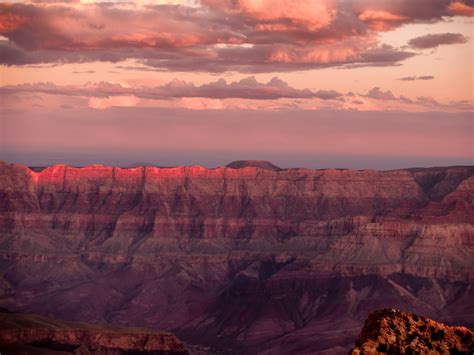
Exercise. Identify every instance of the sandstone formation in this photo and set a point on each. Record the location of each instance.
(394, 332)
(33, 334)
(244, 260)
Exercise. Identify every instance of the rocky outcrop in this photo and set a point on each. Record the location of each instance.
(34, 334)
(247, 259)
(394, 332)
(263, 164)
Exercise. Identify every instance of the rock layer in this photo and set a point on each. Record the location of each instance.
(394, 332)
(246, 259)
(33, 334)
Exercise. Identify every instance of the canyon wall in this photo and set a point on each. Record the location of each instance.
(238, 259)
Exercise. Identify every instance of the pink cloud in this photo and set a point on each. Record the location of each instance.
(102, 103)
(308, 14)
(9, 22)
(381, 20)
(256, 36)
(247, 94)
(460, 8)
(320, 55)
(377, 93)
(199, 103)
(248, 88)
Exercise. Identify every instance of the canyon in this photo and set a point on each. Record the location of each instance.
(247, 258)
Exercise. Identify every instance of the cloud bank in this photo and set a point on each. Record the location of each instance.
(248, 88)
(218, 36)
(244, 94)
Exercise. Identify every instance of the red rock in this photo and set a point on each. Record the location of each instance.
(394, 332)
(23, 332)
(248, 259)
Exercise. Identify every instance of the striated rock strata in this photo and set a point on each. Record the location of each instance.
(394, 332)
(33, 334)
(244, 260)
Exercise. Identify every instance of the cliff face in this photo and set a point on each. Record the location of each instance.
(394, 332)
(30, 333)
(238, 257)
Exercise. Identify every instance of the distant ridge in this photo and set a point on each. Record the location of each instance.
(254, 164)
(35, 334)
(438, 171)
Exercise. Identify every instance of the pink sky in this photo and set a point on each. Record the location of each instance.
(77, 66)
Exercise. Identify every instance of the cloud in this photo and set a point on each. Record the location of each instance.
(462, 105)
(216, 36)
(461, 9)
(382, 20)
(102, 103)
(413, 78)
(377, 93)
(248, 88)
(435, 40)
(421, 103)
(84, 72)
(282, 14)
(327, 94)
(200, 103)
(246, 94)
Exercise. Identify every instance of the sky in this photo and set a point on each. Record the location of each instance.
(358, 84)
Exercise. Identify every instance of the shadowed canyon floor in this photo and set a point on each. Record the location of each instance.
(251, 259)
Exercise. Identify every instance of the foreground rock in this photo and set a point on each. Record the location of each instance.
(394, 332)
(248, 260)
(33, 334)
